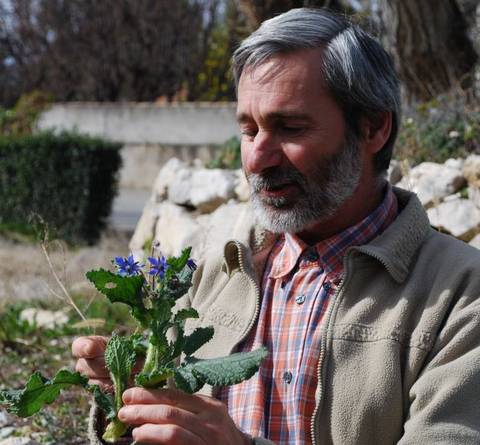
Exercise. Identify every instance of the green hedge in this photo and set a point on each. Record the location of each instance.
(67, 179)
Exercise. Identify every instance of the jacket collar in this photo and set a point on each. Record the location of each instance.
(395, 248)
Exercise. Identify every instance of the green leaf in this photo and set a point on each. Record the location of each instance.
(185, 314)
(225, 371)
(120, 358)
(140, 344)
(186, 381)
(154, 379)
(178, 263)
(197, 339)
(117, 289)
(162, 311)
(114, 430)
(39, 391)
(104, 401)
(177, 284)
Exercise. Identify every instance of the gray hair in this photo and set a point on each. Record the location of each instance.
(359, 73)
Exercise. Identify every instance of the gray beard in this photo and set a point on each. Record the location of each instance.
(322, 193)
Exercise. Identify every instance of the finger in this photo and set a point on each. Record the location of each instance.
(89, 347)
(165, 435)
(159, 414)
(190, 402)
(92, 367)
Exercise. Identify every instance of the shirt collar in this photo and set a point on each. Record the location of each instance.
(330, 252)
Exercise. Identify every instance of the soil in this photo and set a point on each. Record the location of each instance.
(26, 275)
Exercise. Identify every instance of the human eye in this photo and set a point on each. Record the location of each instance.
(292, 129)
(248, 132)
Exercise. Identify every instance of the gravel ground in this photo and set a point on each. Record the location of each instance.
(25, 274)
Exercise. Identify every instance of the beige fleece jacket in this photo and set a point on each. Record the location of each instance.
(400, 352)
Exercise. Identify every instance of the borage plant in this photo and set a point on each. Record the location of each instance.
(151, 297)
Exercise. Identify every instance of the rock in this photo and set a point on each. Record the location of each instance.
(6, 432)
(145, 229)
(432, 182)
(460, 217)
(223, 223)
(394, 173)
(5, 419)
(211, 188)
(242, 190)
(475, 241)
(44, 318)
(165, 177)
(176, 229)
(471, 170)
(205, 189)
(179, 188)
(456, 163)
(474, 194)
(18, 441)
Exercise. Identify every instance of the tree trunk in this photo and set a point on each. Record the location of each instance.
(256, 11)
(430, 45)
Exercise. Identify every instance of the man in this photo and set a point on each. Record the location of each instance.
(370, 316)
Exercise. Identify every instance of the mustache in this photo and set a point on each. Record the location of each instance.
(276, 177)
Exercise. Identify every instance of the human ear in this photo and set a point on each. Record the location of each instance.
(376, 131)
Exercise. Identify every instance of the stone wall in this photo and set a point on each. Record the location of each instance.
(194, 206)
(151, 133)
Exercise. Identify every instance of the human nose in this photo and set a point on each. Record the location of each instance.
(261, 153)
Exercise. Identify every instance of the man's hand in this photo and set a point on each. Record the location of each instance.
(171, 417)
(89, 351)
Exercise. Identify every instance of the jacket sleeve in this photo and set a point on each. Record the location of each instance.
(445, 399)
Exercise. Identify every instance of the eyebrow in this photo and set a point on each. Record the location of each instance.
(244, 117)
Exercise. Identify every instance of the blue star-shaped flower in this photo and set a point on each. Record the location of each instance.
(127, 267)
(191, 264)
(158, 266)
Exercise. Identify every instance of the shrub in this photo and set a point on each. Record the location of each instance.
(228, 155)
(21, 119)
(446, 127)
(67, 179)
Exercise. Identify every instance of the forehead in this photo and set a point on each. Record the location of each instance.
(286, 80)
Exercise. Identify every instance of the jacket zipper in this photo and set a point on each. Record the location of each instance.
(257, 294)
(313, 423)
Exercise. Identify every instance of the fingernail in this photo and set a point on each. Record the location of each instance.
(127, 396)
(122, 413)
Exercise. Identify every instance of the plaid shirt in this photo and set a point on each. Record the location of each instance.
(278, 402)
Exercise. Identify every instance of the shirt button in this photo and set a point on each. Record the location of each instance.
(287, 377)
(300, 299)
(312, 255)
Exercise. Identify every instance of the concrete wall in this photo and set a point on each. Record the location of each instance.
(150, 133)
(146, 123)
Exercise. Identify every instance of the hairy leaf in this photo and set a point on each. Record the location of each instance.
(154, 379)
(114, 430)
(224, 371)
(117, 289)
(178, 263)
(120, 358)
(185, 314)
(39, 391)
(140, 344)
(197, 339)
(186, 381)
(104, 401)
